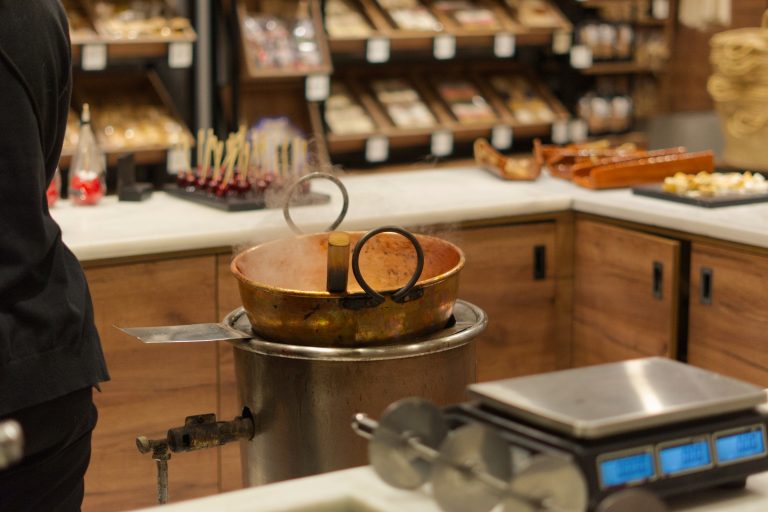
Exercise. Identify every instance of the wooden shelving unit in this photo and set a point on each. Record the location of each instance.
(406, 43)
(356, 83)
(174, 50)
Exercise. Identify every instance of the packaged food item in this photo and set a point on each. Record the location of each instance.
(87, 183)
(536, 13)
(606, 113)
(279, 42)
(342, 20)
(411, 15)
(468, 14)
(607, 41)
(526, 104)
(130, 19)
(465, 101)
(403, 103)
(124, 122)
(343, 114)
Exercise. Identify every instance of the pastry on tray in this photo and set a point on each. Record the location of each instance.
(715, 184)
(522, 168)
(599, 165)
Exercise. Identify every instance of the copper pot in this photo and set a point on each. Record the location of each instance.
(283, 289)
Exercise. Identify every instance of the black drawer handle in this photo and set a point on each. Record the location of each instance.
(539, 262)
(658, 280)
(705, 286)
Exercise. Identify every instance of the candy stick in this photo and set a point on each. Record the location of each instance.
(218, 155)
(200, 144)
(284, 160)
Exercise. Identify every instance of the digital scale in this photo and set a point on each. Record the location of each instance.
(601, 438)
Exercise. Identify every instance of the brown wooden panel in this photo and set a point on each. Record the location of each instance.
(615, 314)
(729, 335)
(153, 387)
(228, 296)
(498, 277)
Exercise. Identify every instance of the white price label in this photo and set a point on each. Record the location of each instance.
(444, 47)
(317, 87)
(377, 50)
(377, 149)
(660, 9)
(180, 55)
(94, 57)
(577, 130)
(176, 161)
(502, 137)
(441, 143)
(561, 42)
(581, 56)
(504, 45)
(560, 131)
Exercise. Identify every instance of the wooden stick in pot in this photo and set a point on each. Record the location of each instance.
(338, 262)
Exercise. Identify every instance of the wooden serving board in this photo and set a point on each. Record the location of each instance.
(655, 190)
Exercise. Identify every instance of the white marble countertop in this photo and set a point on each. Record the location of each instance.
(360, 490)
(166, 224)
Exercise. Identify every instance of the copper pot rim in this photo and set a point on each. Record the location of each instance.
(276, 290)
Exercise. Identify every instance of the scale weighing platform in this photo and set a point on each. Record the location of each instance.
(609, 438)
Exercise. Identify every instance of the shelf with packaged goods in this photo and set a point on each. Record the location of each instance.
(447, 123)
(160, 130)
(100, 36)
(248, 10)
(380, 29)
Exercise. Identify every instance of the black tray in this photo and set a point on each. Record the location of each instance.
(656, 191)
(240, 204)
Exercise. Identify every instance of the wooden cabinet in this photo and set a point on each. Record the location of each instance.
(153, 387)
(728, 312)
(510, 273)
(228, 299)
(626, 294)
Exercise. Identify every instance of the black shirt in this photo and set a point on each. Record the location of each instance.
(48, 342)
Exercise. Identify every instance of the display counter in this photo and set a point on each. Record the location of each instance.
(165, 224)
(360, 490)
(567, 276)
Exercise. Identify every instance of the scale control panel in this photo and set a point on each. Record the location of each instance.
(677, 457)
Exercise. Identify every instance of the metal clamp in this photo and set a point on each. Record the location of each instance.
(298, 184)
(403, 294)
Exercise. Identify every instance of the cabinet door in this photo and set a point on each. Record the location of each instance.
(510, 274)
(626, 294)
(153, 387)
(728, 320)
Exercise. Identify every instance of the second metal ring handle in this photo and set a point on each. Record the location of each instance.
(308, 177)
(402, 292)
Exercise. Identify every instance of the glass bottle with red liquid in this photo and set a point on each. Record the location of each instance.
(54, 189)
(87, 182)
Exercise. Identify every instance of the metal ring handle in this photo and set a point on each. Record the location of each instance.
(308, 177)
(402, 292)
